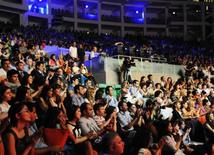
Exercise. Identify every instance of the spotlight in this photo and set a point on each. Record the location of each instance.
(137, 12)
(173, 12)
(86, 6)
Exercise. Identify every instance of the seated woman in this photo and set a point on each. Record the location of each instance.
(5, 97)
(17, 139)
(209, 127)
(40, 147)
(84, 146)
(171, 146)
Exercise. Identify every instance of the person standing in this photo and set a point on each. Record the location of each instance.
(73, 52)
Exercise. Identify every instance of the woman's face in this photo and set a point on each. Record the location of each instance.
(57, 91)
(169, 79)
(178, 105)
(24, 115)
(176, 128)
(144, 87)
(30, 62)
(60, 72)
(54, 57)
(92, 92)
(78, 114)
(7, 96)
(183, 125)
(133, 108)
(50, 93)
(185, 105)
(169, 128)
(30, 80)
(211, 117)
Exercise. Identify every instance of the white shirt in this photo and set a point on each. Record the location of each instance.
(92, 55)
(73, 52)
(3, 73)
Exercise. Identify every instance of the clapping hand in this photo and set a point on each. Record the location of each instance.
(91, 135)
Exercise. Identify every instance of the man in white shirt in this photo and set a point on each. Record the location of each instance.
(5, 66)
(73, 51)
(110, 99)
(93, 51)
(87, 123)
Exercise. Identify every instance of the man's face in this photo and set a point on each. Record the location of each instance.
(74, 44)
(20, 67)
(136, 84)
(6, 65)
(124, 107)
(76, 82)
(89, 110)
(81, 90)
(41, 67)
(111, 91)
(89, 83)
(14, 78)
(101, 111)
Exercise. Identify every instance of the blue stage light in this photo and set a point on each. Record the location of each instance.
(137, 12)
(86, 6)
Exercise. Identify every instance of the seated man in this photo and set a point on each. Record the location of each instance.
(13, 80)
(87, 123)
(99, 118)
(126, 123)
(124, 118)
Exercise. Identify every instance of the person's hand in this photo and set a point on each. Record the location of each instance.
(40, 87)
(161, 143)
(35, 138)
(91, 135)
(188, 130)
(139, 112)
(113, 115)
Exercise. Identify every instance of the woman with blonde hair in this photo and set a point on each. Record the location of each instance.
(91, 95)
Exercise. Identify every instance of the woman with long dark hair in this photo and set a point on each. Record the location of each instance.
(18, 140)
(209, 127)
(171, 146)
(81, 144)
(27, 81)
(5, 97)
(23, 94)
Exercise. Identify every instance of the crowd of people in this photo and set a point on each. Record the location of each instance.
(52, 104)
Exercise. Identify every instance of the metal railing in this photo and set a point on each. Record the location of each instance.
(153, 59)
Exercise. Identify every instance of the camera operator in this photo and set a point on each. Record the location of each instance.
(125, 69)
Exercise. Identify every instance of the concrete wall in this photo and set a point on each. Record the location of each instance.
(106, 70)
